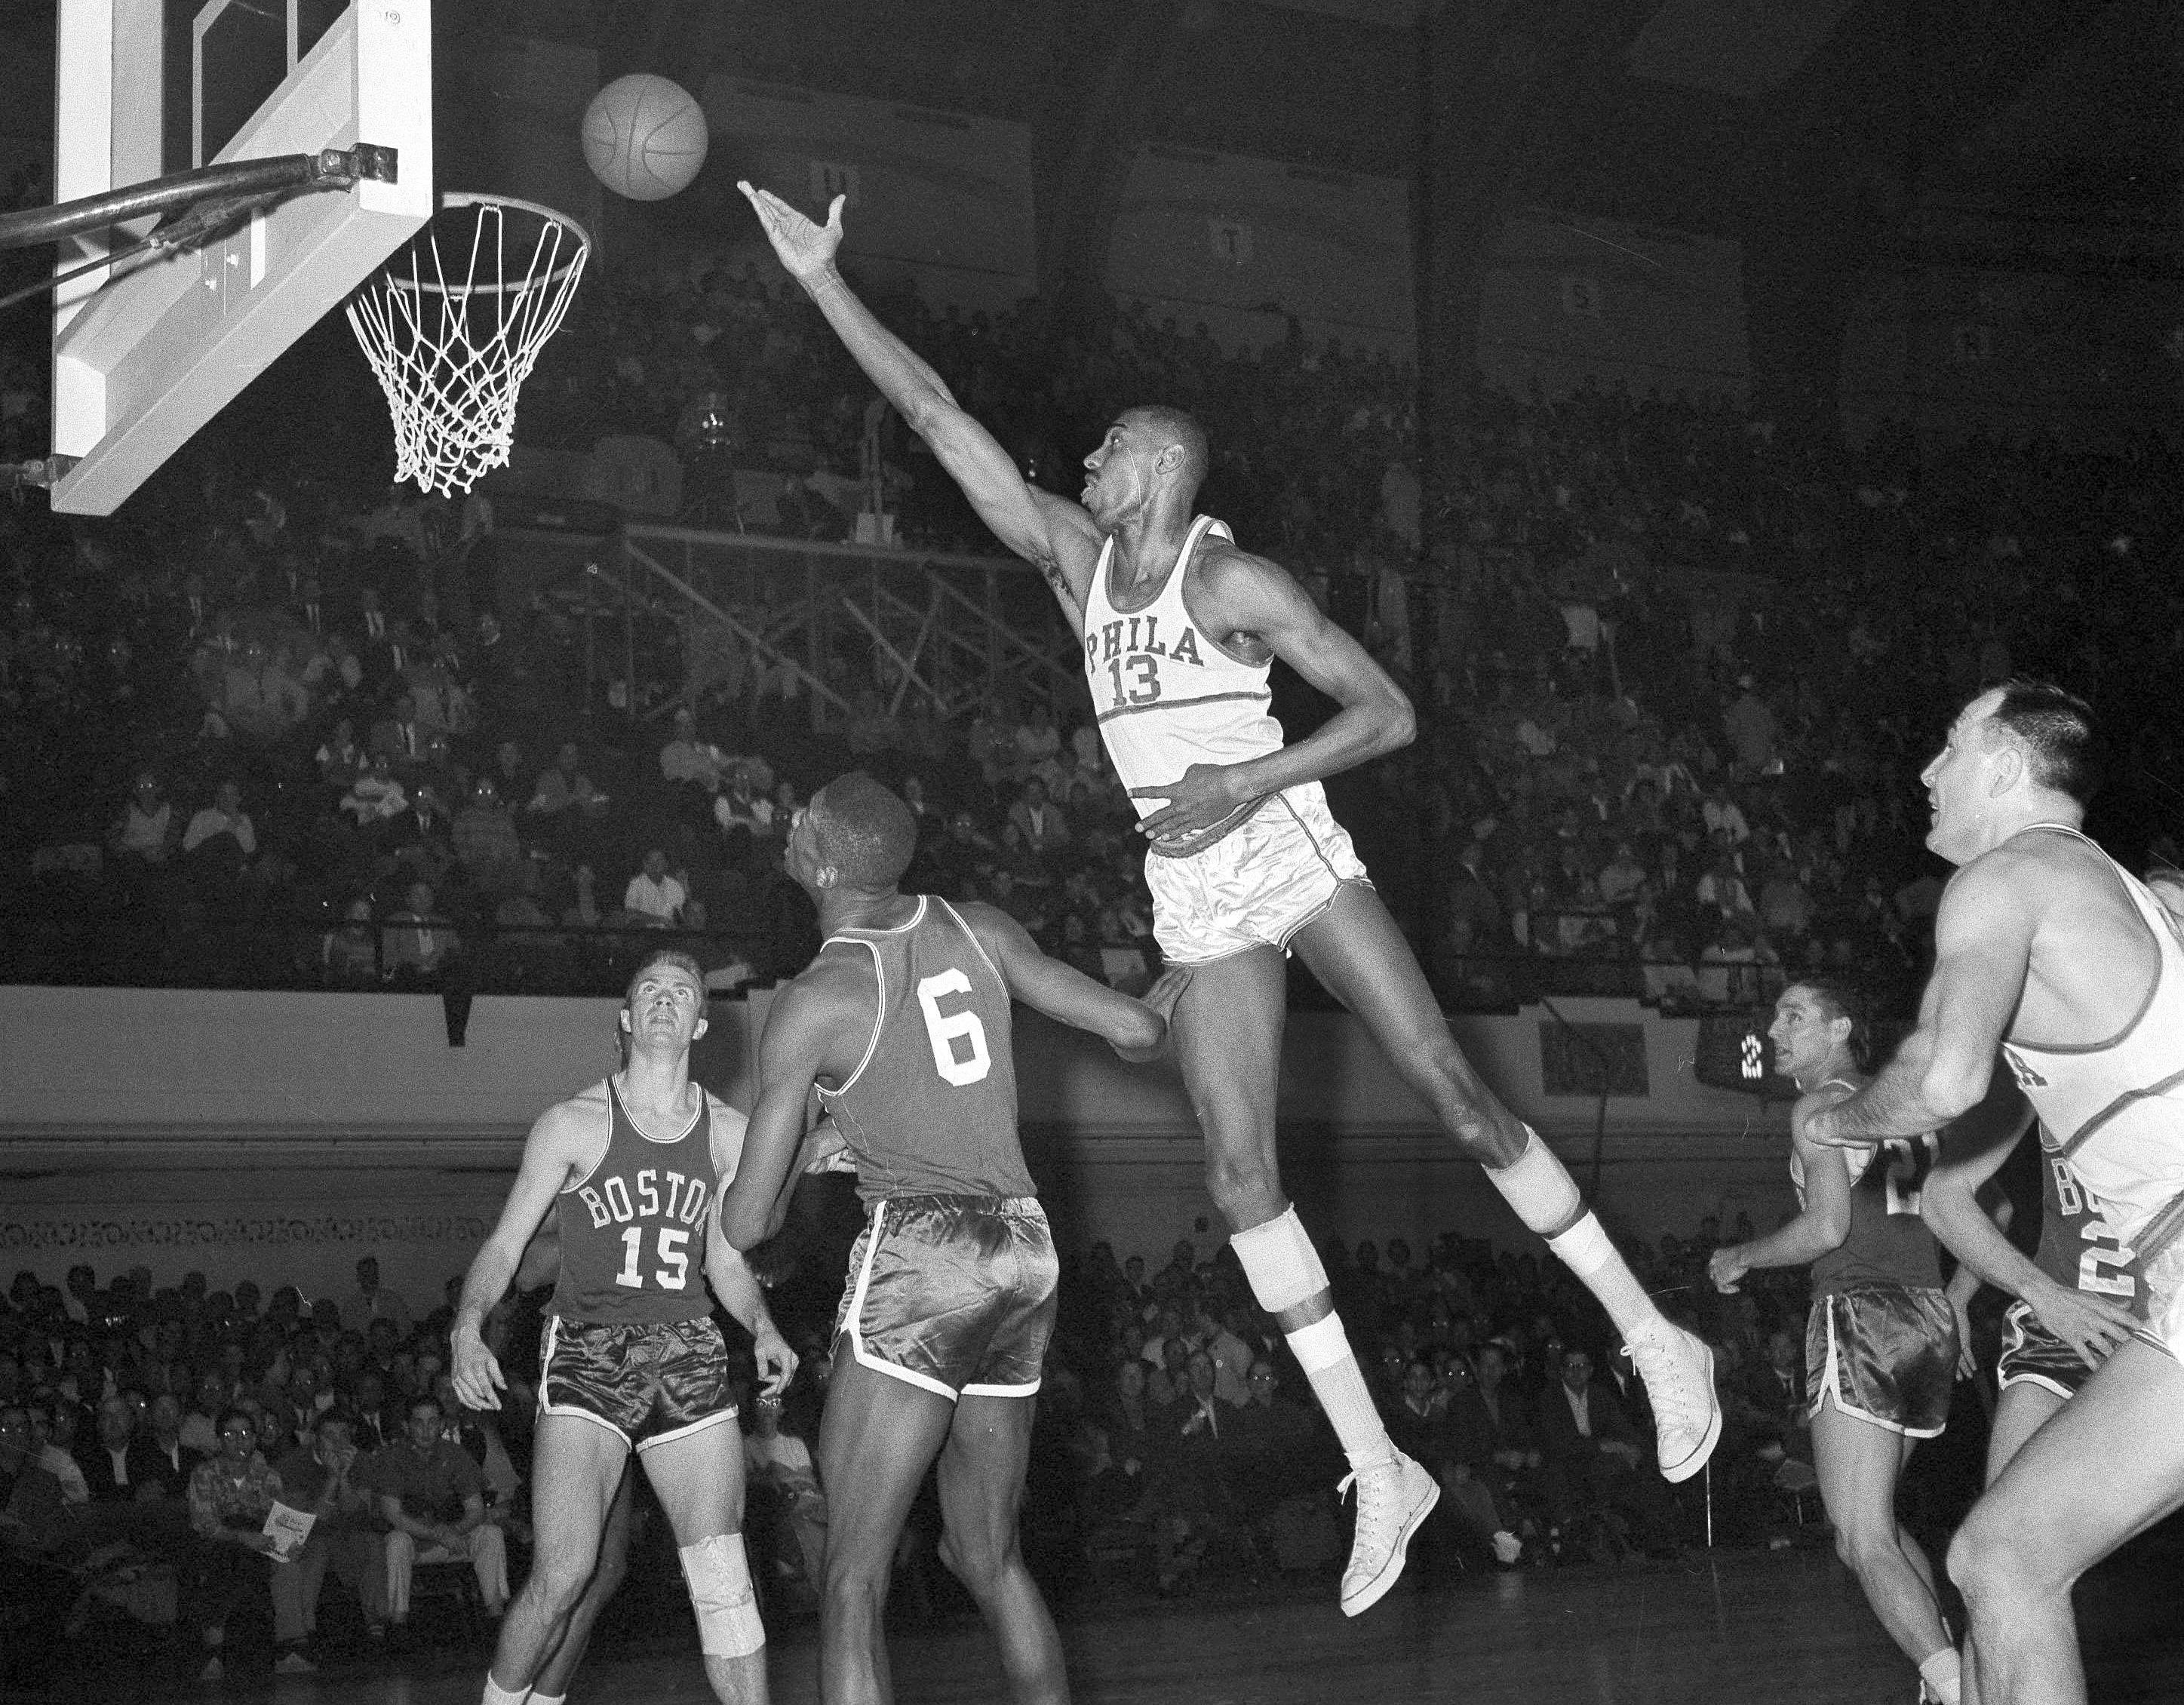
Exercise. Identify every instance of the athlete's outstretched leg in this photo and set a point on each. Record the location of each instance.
(699, 1479)
(1228, 1032)
(879, 1435)
(1858, 1463)
(982, 1480)
(1355, 948)
(2105, 1468)
(577, 1465)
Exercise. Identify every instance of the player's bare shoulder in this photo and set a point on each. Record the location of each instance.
(995, 931)
(1236, 595)
(824, 1013)
(2014, 885)
(574, 1131)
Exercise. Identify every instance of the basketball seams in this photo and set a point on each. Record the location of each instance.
(645, 137)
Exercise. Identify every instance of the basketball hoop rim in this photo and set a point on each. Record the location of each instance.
(393, 279)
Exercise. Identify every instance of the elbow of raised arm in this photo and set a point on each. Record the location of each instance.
(1401, 724)
(1951, 1089)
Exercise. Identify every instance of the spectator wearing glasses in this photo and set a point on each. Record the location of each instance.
(231, 1494)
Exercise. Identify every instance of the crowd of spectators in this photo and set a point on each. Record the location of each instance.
(1678, 671)
(148, 1433)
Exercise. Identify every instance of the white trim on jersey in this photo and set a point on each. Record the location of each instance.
(606, 1148)
(978, 945)
(615, 1100)
(879, 970)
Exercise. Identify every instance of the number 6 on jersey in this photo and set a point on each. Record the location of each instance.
(943, 1032)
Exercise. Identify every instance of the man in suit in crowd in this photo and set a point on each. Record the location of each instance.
(118, 1466)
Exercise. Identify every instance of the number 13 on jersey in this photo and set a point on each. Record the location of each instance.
(945, 1032)
(1142, 684)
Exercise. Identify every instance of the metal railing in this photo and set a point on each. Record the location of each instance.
(946, 630)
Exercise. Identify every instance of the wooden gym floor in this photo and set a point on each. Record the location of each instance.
(1724, 1628)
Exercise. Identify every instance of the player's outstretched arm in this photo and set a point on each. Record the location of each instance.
(561, 1138)
(1134, 1028)
(1235, 592)
(1821, 1224)
(1054, 535)
(1973, 1150)
(1982, 946)
(807, 1017)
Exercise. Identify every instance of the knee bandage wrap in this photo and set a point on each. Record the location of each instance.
(1278, 1259)
(719, 1578)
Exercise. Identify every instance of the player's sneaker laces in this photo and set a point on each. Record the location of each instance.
(1392, 1499)
(1677, 1369)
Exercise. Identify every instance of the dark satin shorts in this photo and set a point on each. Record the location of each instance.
(650, 1383)
(953, 1293)
(2032, 1354)
(1886, 1353)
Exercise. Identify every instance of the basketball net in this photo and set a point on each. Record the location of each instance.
(453, 325)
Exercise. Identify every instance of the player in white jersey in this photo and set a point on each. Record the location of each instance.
(1180, 628)
(2048, 952)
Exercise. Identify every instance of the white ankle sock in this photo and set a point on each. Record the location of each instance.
(1943, 1671)
(1593, 1258)
(1323, 1350)
(495, 1694)
(1545, 1196)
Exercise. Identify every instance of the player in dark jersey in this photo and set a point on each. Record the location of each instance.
(902, 1024)
(2080, 1295)
(1881, 1342)
(635, 1167)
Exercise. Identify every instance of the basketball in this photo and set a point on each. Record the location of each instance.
(644, 137)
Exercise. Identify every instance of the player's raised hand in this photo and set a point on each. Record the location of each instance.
(478, 1375)
(805, 249)
(2091, 1325)
(777, 1361)
(1204, 797)
(1726, 1267)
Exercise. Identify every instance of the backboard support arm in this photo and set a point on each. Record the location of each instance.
(247, 181)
